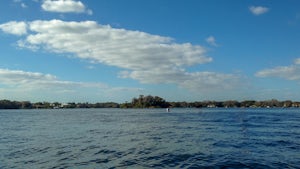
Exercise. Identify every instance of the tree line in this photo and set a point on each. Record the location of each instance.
(238, 104)
(157, 102)
(150, 102)
(7, 104)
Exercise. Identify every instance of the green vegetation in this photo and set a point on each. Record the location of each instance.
(150, 102)
(146, 102)
(6, 104)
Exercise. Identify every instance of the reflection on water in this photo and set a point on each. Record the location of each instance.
(150, 138)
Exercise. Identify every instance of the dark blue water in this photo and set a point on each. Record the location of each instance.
(150, 138)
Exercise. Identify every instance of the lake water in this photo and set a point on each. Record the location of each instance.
(150, 138)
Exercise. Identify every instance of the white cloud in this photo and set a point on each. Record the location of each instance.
(23, 5)
(291, 72)
(13, 27)
(258, 10)
(18, 84)
(33, 80)
(195, 81)
(144, 57)
(297, 61)
(65, 6)
(211, 41)
(89, 12)
(208, 81)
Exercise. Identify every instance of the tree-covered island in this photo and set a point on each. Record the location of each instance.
(151, 102)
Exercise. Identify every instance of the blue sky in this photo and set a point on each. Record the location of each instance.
(109, 50)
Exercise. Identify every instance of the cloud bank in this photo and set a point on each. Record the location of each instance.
(18, 84)
(141, 56)
(291, 72)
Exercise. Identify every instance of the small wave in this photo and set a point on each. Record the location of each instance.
(105, 152)
(134, 139)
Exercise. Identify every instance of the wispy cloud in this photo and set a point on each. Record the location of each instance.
(141, 56)
(32, 80)
(65, 6)
(211, 41)
(23, 5)
(23, 84)
(258, 10)
(291, 72)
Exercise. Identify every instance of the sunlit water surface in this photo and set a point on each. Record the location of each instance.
(150, 138)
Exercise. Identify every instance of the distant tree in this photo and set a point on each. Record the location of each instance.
(273, 103)
(148, 102)
(26, 105)
(195, 104)
(56, 105)
(82, 105)
(7, 104)
(287, 103)
(247, 103)
(111, 105)
(296, 104)
(126, 105)
(70, 105)
(231, 103)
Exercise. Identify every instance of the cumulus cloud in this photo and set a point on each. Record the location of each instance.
(258, 10)
(291, 72)
(144, 57)
(65, 6)
(211, 41)
(13, 27)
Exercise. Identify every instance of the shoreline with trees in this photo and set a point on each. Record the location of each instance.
(152, 102)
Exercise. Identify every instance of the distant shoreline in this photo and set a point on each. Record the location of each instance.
(152, 102)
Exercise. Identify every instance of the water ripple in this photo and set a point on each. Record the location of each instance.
(117, 138)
